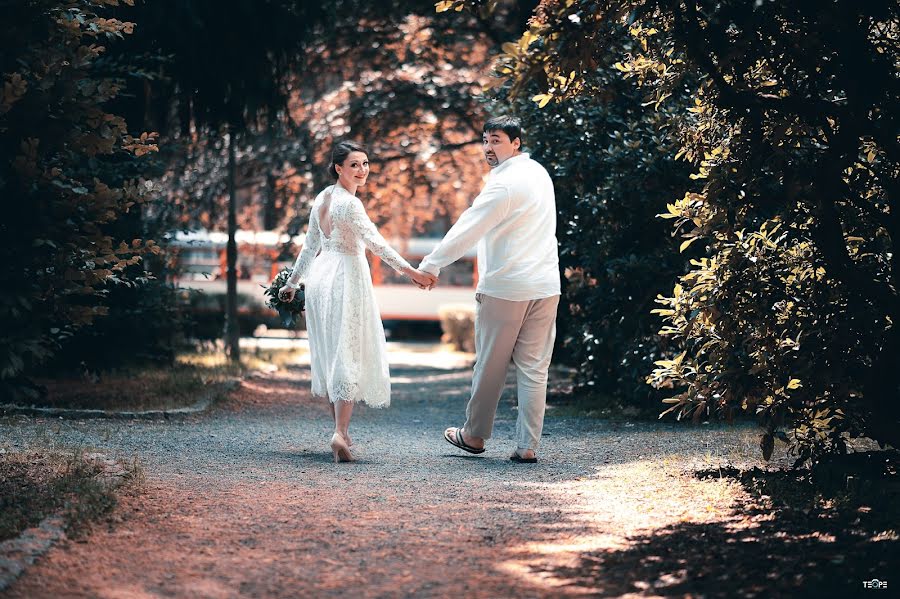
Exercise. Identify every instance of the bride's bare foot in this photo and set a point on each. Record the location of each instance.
(347, 439)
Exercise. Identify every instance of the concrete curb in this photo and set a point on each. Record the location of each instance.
(200, 406)
(17, 554)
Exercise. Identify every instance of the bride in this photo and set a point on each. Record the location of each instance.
(346, 337)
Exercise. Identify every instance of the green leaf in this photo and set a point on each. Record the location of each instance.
(510, 48)
(685, 244)
(542, 99)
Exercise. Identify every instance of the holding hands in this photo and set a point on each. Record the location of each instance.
(422, 279)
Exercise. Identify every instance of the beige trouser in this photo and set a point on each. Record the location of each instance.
(524, 332)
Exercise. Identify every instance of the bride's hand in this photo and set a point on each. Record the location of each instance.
(423, 279)
(286, 294)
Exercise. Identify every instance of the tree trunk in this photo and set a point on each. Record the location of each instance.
(232, 330)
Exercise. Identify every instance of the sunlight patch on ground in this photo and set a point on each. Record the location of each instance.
(265, 389)
(427, 355)
(400, 354)
(605, 510)
(463, 375)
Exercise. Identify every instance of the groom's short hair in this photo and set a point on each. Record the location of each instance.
(510, 125)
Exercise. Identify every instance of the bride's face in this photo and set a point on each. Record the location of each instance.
(354, 170)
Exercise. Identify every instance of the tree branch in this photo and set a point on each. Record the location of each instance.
(828, 233)
(441, 148)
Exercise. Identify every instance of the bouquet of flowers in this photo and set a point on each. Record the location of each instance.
(289, 311)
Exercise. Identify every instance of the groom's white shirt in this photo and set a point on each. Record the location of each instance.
(513, 221)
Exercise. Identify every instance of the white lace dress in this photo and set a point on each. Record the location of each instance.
(346, 337)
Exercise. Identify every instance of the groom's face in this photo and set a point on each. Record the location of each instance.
(498, 147)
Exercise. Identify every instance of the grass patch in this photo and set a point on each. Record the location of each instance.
(258, 359)
(194, 376)
(40, 483)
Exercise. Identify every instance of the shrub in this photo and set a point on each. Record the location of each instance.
(790, 311)
(60, 155)
(458, 327)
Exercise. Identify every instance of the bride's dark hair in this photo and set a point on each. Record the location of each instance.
(341, 150)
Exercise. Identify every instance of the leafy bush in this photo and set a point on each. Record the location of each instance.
(791, 307)
(613, 170)
(144, 325)
(458, 326)
(59, 152)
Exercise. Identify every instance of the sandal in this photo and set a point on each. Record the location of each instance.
(515, 457)
(457, 441)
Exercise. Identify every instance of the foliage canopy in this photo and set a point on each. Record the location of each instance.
(790, 309)
(65, 178)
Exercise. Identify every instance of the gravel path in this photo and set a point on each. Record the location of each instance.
(245, 501)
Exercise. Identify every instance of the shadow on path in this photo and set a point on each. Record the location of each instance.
(246, 501)
(774, 557)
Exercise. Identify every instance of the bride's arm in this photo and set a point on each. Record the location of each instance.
(311, 246)
(366, 230)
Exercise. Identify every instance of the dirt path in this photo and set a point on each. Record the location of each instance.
(245, 502)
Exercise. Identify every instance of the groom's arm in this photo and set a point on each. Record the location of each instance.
(486, 212)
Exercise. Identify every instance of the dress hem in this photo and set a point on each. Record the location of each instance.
(379, 406)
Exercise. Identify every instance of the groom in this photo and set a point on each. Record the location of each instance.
(513, 221)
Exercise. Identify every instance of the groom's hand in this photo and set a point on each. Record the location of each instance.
(423, 280)
(432, 280)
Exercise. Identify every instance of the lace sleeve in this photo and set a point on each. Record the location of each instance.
(311, 246)
(366, 230)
